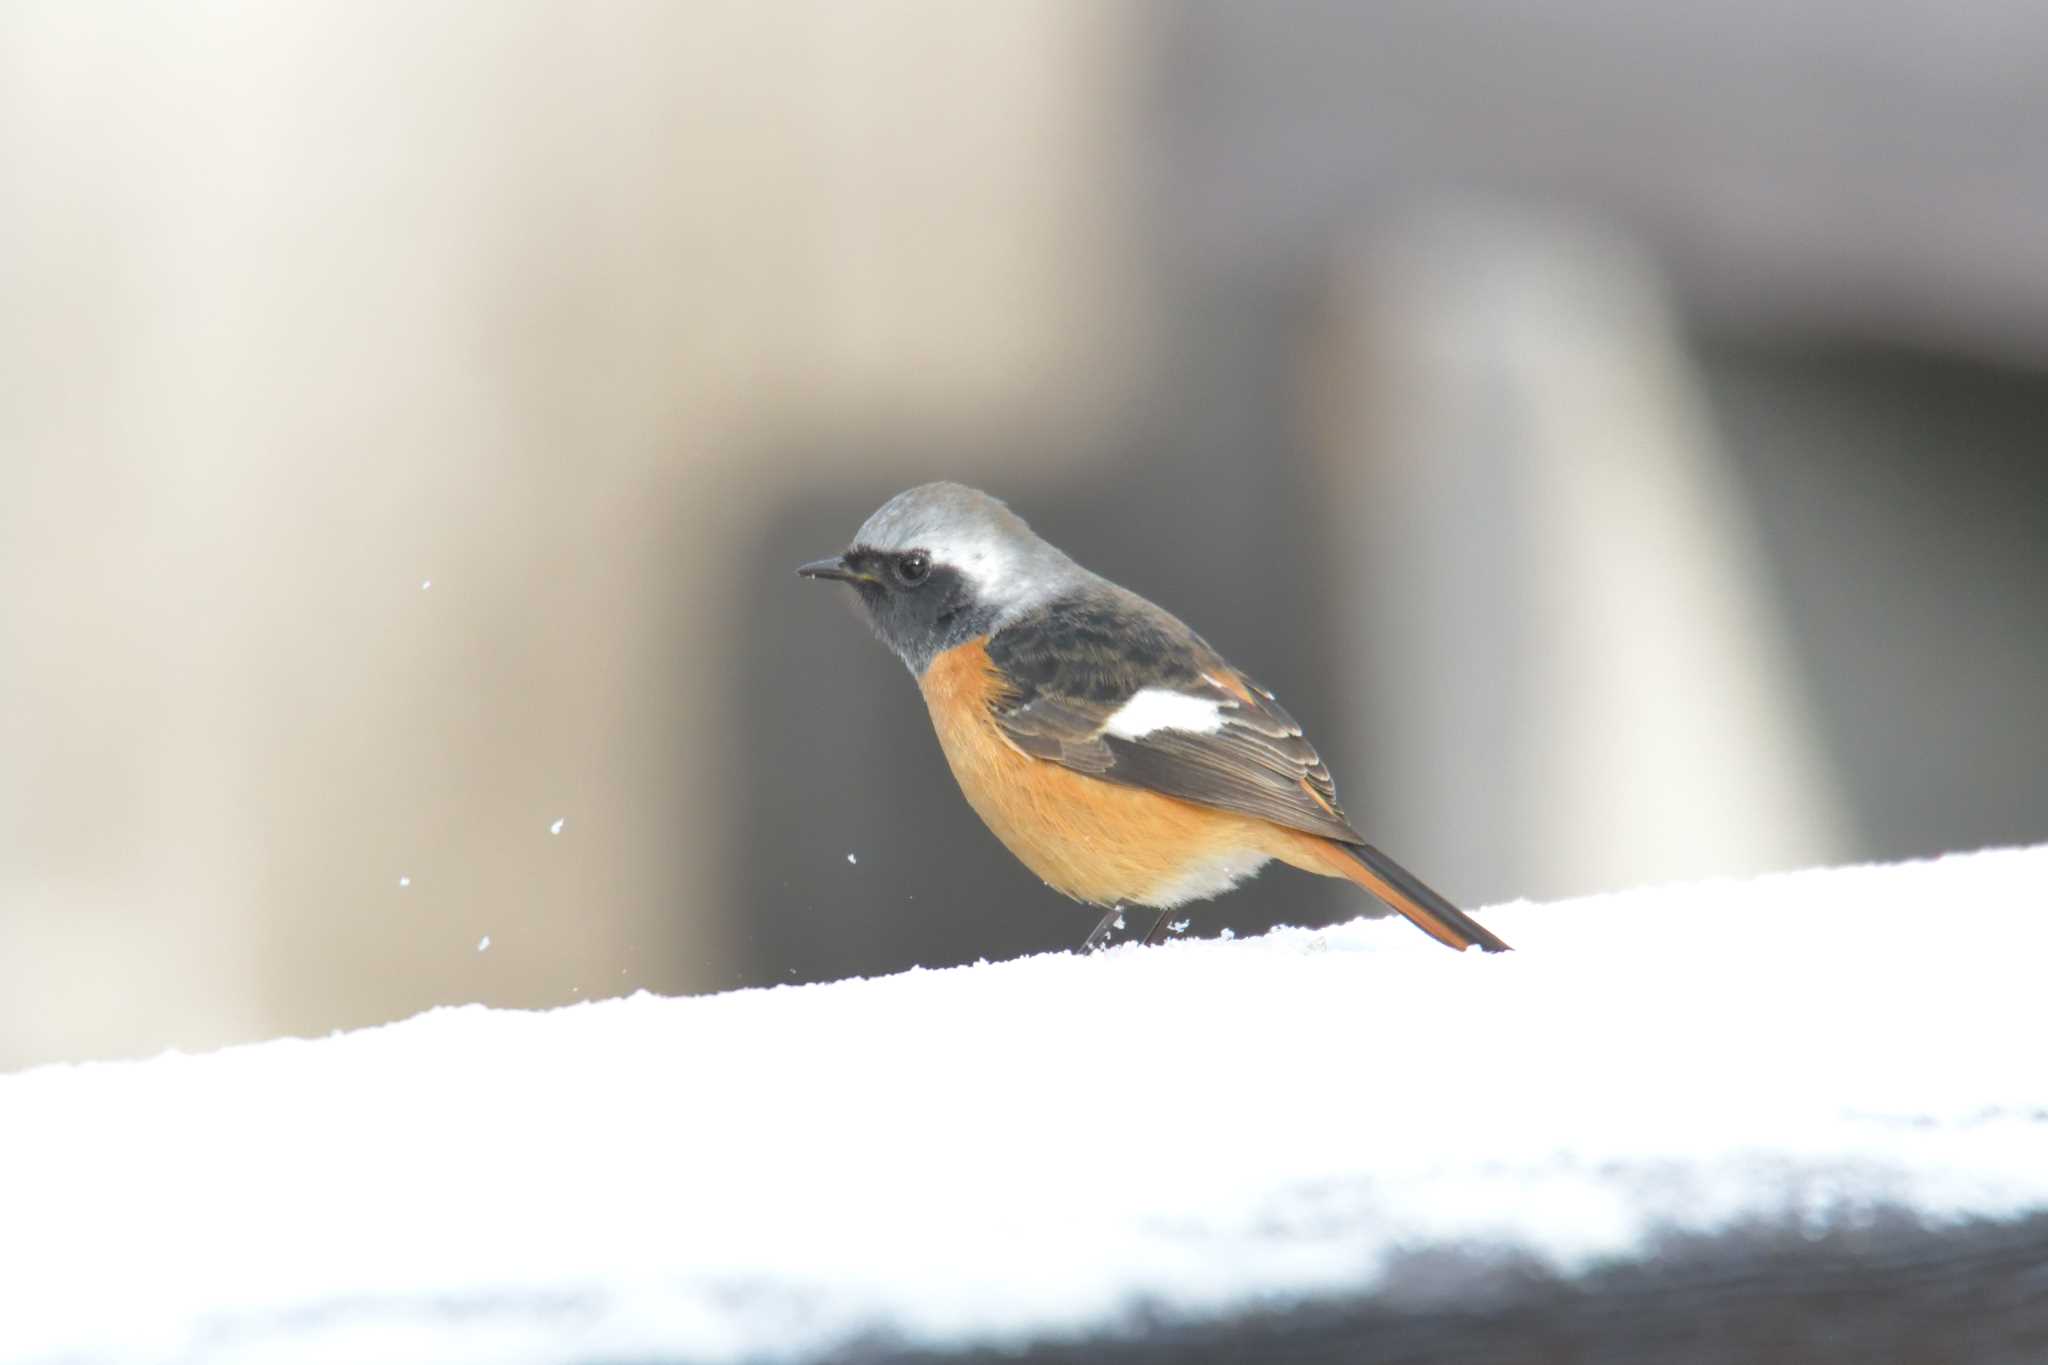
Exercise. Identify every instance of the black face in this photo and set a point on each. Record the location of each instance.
(920, 608)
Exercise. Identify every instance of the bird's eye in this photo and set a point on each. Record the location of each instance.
(913, 568)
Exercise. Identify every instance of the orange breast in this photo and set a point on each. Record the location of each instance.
(1093, 840)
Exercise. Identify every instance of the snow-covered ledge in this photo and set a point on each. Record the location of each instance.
(1047, 1147)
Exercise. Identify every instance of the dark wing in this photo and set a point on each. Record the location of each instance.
(1069, 672)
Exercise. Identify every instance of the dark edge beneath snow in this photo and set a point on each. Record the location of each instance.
(1878, 1290)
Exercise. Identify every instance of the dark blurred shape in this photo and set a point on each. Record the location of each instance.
(1903, 500)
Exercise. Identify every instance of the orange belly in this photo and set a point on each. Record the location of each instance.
(1093, 840)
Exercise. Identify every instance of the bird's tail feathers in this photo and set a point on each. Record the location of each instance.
(1401, 889)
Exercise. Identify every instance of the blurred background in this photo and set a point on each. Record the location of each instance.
(1616, 431)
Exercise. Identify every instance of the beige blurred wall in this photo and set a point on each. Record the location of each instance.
(303, 307)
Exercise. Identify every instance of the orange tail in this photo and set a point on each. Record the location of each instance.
(1399, 888)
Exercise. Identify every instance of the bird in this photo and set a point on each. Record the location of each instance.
(1104, 743)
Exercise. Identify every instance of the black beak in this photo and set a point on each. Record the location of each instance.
(832, 568)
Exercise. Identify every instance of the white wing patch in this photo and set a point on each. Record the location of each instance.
(1160, 708)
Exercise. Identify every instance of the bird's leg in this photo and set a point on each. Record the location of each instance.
(1152, 935)
(1111, 921)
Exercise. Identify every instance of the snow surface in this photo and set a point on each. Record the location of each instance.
(1035, 1147)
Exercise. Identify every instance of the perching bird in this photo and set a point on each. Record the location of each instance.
(1105, 743)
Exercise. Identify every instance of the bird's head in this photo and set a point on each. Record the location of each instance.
(942, 564)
